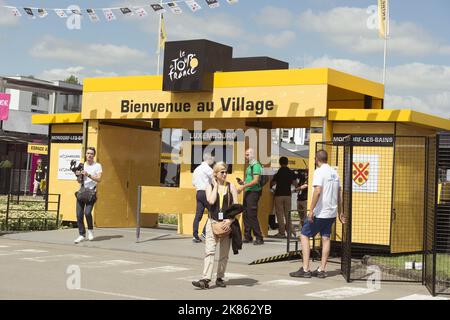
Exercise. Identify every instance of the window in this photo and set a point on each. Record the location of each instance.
(34, 99)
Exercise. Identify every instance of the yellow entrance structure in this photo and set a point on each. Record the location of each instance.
(122, 117)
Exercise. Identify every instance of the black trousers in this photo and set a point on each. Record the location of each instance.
(251, 222)
(202, 204)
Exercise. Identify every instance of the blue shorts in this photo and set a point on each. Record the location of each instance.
(319, 225)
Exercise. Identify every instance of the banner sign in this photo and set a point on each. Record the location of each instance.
(66, 138)
(5, 98)
(64, 159)
(37, 149)
(373, 140)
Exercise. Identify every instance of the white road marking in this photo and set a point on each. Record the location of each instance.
(31, 251)
(283, 282)
(107, 263)
(422, 297)
(4, 246)
(116, 294)
(8, 253)
(164, 269)
(57, 257)
(341, 293)
(228, 276)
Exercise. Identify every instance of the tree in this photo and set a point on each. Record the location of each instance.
(72, 79)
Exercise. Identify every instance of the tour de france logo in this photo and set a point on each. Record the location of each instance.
(184, 66)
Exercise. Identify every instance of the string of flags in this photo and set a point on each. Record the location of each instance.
(110, 13)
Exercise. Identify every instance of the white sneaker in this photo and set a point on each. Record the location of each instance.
(79, 239)
(90, 235)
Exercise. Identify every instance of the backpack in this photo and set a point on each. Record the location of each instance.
(263, 179)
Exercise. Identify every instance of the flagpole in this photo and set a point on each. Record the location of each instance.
(159, 40)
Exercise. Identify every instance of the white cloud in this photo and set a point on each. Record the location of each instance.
(348, 28)
(94, 54)
(417, 86)
(78, 71)
(6, 18)
(279, 40)
(192, 26)
(275, 17)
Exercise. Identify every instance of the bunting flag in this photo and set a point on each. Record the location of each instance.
(92, 15)
(173, 6)
(109, 14)
(212, 3)
(126, 11)
(15, 12)
(141, 12)
(158, 8)
(42, 13)
(193, 5)
(29, 12)
(61, 13)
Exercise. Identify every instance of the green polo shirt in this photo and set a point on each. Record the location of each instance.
(257, 170)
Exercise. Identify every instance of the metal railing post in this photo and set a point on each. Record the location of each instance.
(57, 213)
(7, 212)
(138, 214)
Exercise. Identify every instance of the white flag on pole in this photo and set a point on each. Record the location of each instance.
(158, 8)
(212, 3)
(109, 14)
(61, 13)
(174, 8)
(141, 12)
(92, 15)
(15, 12)
(42, 13)
(193, 5)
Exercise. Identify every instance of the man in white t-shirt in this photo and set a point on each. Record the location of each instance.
(325, 204)
(201, 178)
(91, 175)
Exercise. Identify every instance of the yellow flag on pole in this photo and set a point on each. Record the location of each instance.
(162, 34)
(383, 18)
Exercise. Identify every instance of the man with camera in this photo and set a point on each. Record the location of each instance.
(88, 175)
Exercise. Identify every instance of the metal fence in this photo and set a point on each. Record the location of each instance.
(384, 195)
(27, 213)
(437, 235)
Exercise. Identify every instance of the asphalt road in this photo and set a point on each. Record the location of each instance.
(37, 270)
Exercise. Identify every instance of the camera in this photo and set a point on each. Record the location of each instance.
(74, 168)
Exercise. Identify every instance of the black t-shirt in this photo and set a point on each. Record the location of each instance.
(40, 173)
(283, 179)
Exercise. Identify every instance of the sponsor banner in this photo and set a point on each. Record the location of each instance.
(64, 158)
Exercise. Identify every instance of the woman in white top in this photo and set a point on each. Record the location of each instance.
(90, 176)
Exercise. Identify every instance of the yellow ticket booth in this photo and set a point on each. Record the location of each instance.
(204, 88)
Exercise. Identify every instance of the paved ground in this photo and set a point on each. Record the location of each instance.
(45, 265)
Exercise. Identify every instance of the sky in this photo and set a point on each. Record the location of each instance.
(337, 34)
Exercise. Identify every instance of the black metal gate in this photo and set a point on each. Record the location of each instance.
(385, 197)
(437, 230)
